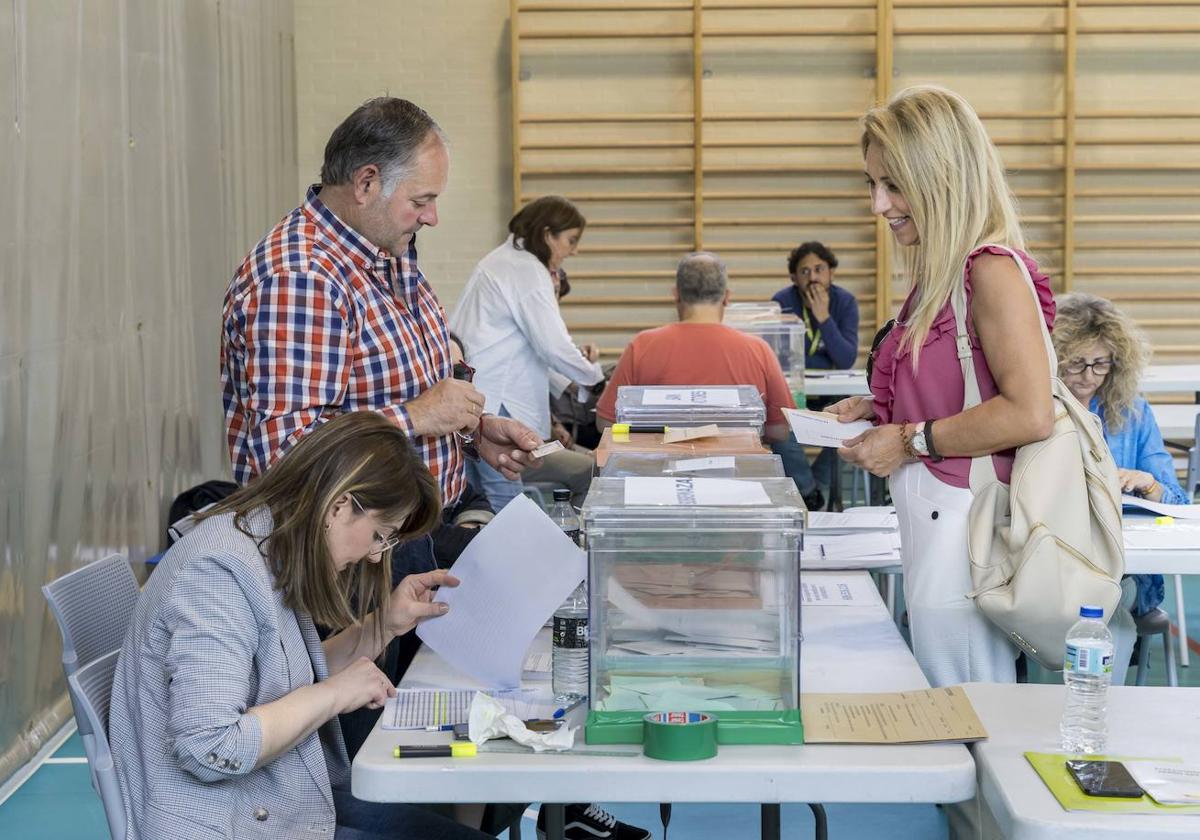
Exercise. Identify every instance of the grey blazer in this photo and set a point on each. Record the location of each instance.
(210, 639)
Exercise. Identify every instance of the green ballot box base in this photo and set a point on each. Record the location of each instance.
(732, 727)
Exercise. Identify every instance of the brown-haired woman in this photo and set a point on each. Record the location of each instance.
(225, 702)
(508, 317)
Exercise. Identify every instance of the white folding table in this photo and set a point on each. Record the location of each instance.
(835, 383)
(1160, 379)
(1149, 722)
(845, 649)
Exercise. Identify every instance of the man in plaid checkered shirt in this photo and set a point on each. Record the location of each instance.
(330, 313)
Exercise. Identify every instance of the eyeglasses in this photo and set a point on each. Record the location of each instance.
(382, 543)
(1100, 367)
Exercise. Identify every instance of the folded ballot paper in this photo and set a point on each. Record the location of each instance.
(820, 428)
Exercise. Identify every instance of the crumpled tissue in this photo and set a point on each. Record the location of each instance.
(489, 719)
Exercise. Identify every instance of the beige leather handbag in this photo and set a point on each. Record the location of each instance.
(1050, 541)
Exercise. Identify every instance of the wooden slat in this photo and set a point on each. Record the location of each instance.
(600, 197)
(603, 34)
(606, 117)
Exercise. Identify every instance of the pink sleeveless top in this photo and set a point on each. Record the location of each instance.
(936, 389)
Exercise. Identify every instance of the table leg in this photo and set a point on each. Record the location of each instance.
(770, 821)
(1181, 620)
(822, 822)
(834, 502)
(555, 820)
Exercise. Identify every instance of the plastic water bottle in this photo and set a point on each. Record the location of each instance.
(1087, 671)
(569, 654)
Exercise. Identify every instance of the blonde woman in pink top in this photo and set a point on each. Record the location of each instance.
(938, 182)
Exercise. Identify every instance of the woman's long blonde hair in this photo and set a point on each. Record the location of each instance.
(938, 154)
(1081, 319)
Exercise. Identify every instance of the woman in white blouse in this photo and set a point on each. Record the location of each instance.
(509, 320)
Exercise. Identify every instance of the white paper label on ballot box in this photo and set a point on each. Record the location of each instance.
(653, 490)
(690, 396)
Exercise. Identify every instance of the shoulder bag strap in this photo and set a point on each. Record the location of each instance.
(983, 469)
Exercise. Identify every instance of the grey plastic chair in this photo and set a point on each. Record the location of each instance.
(93, 606)
(1155, 623)
(91, 691)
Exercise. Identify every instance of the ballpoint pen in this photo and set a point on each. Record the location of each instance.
(563, 711)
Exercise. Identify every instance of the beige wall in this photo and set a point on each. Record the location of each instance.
(449, 56)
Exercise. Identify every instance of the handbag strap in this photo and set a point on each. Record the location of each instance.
(983, 468)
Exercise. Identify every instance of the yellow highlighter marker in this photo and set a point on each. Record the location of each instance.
(459, 749)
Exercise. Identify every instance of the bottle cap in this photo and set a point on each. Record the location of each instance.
(562, 494)
(1089, 611)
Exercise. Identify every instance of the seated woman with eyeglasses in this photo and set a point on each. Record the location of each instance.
(225, 703)
(1101, 355)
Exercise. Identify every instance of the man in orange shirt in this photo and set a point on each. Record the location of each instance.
(700, 350)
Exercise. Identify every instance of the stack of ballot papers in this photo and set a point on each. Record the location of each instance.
(858, 538)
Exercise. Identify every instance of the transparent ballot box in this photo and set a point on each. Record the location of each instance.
(694, 605)
(752, 310)
(683, 406)
(785, 335)
(623, 464)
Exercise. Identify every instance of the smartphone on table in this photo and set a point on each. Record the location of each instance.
(1104, 778)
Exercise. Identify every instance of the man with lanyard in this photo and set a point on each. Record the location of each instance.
(330, 313)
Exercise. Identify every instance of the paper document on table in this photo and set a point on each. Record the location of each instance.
(673, 435)
(1162, 537)
(1166, 783)
(690, 396)
(655, 490)
(840, 551)
(537, 666)
(820, 428)
(901, 717)
(876, 518)
(425, 708)
(1052, 770)
(514, 574)
(819, 589)
(1175, 511)
(721, 462)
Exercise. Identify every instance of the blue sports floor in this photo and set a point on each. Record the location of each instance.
(57, 802)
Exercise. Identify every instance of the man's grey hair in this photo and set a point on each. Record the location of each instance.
(700, 277)
(385, 131)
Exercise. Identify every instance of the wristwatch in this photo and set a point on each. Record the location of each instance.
(918, 441)
(922, 441)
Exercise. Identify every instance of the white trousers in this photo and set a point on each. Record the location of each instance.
(951, 639)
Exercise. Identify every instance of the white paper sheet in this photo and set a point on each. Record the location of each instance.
(654, 490)
(722, 462)
(690, 396)
(514, 574)
(819, 428)
(1167, 784)
(854, 519)
(1162, 537)
(832, 590)
(844, 550)
(1176, 511)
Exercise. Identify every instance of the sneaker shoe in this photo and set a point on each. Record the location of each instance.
(815, 500)
(590, 822)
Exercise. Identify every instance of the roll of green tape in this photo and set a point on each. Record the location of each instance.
(679, 736)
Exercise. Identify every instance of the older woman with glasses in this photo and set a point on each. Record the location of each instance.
(1101, 354)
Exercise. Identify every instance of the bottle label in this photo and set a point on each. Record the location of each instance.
(570, 632)
(1083, 659)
